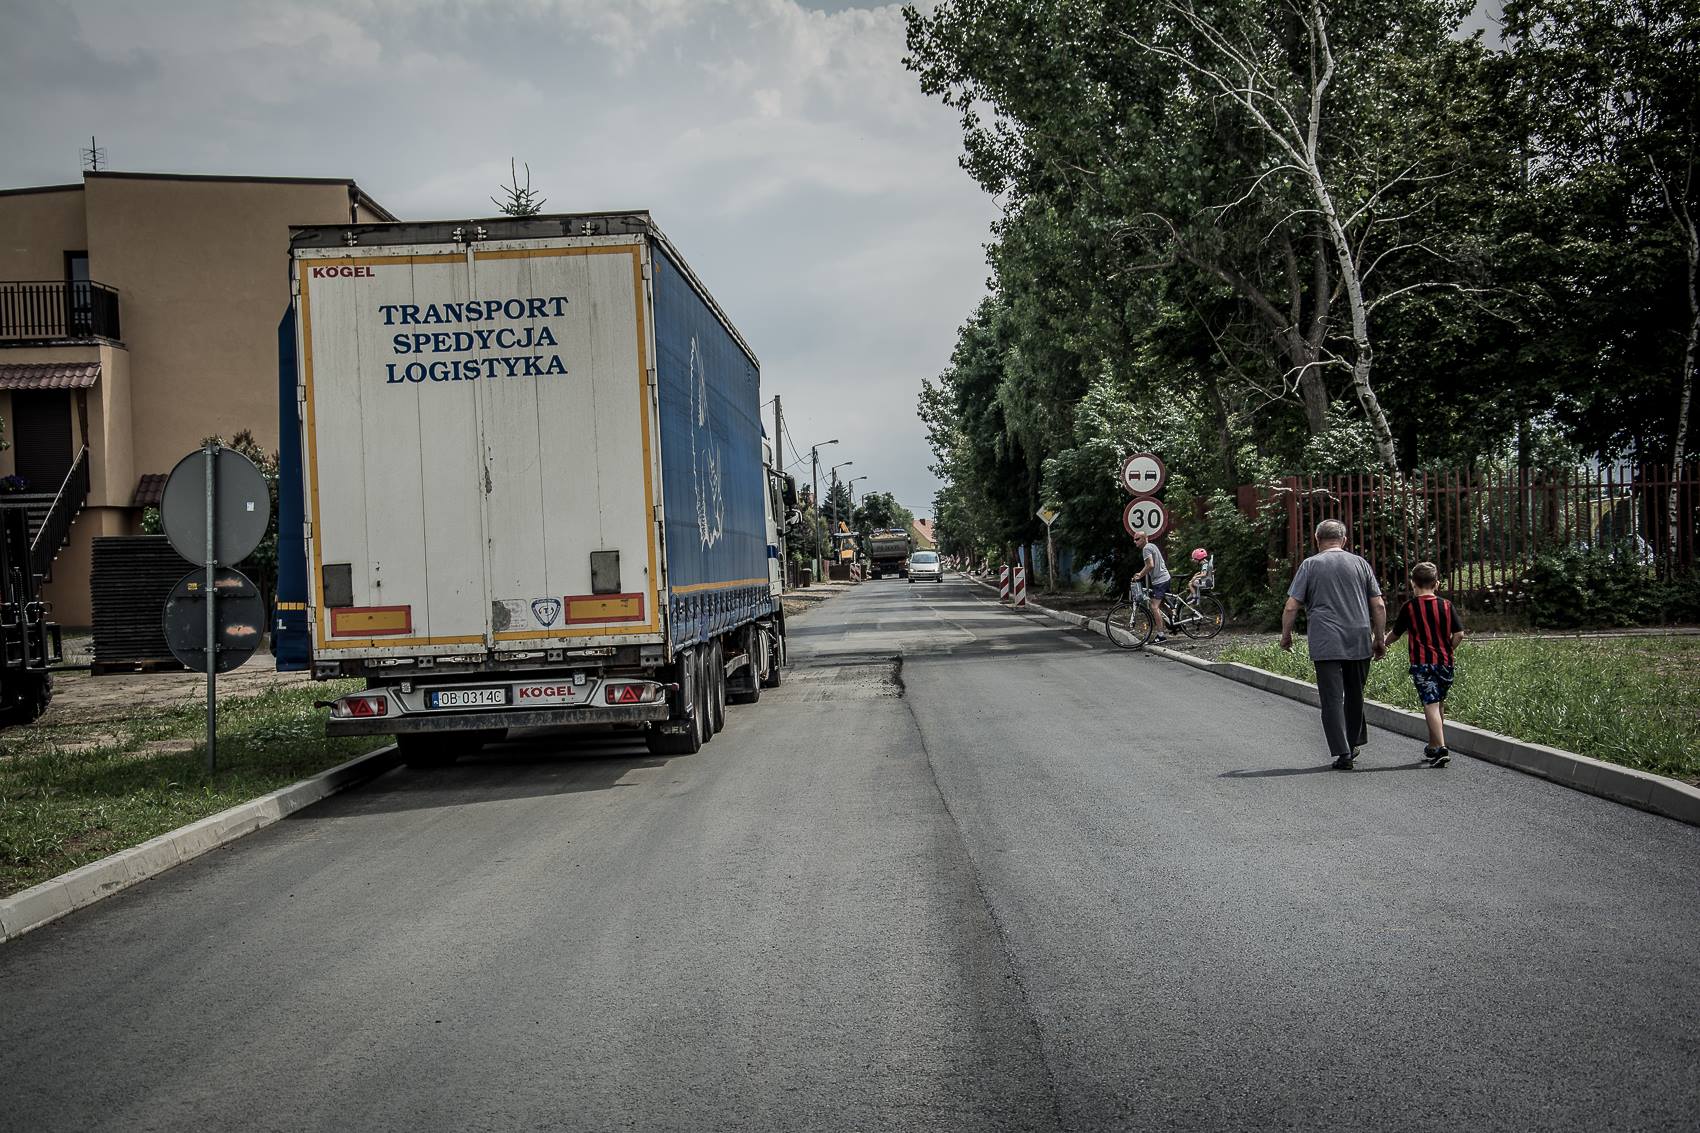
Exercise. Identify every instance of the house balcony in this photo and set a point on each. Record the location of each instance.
(34, 312)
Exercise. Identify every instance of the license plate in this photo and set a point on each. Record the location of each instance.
(467, 697)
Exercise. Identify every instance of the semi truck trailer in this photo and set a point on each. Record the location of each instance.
(524, 484)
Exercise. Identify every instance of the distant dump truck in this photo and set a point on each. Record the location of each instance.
(888, 553)
(524, 484)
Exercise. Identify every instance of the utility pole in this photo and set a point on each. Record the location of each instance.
(814, 499)
(779, 467)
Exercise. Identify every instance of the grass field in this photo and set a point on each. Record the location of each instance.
(70, 795)
(1633, 701)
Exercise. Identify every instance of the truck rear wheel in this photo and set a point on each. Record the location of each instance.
(687, 710)
(754, 676)
(700, 695)
(775, 657)
(717, 691)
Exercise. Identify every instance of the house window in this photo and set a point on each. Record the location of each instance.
(79, 297)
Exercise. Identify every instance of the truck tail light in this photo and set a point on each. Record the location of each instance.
(361, 705)
(644, 692)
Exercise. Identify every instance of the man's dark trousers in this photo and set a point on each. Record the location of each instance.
(1341, 687)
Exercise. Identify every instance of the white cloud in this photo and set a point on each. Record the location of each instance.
(784, 149)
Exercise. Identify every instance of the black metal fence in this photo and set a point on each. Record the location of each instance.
(48, 309)
(1486, 529)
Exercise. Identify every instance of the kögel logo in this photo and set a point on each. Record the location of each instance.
(543, 692)
(342, 271)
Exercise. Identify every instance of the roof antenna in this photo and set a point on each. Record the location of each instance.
(93, 155)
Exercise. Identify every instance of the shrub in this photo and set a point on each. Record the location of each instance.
(1592, 586)
(1244, 582)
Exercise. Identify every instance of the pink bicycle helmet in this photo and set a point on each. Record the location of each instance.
(1199, 554)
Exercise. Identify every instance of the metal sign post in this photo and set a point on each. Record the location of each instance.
(210, 452)
(1048, 516)
(217, 512)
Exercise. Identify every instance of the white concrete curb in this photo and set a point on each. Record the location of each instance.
(52, 899)
(1641, 789)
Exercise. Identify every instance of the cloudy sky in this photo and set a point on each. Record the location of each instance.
(780, 143)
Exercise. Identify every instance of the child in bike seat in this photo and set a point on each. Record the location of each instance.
(1205, 579)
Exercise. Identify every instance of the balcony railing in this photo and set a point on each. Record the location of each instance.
(32, 310)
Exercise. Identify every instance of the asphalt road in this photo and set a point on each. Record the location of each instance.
(964, 870)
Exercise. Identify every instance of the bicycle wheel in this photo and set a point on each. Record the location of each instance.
(1128, 625)
(1203, 617)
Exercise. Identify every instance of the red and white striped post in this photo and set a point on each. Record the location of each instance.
(1003, 583)
(1020, 585)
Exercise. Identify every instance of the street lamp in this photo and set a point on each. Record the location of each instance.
(850, 485)
(832, 494)
(814, 489)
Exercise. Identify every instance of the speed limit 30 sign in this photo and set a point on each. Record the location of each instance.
(1145, 516)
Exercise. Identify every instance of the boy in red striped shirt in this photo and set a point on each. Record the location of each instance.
(1434, 631)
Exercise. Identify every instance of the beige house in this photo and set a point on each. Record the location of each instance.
(138, 315)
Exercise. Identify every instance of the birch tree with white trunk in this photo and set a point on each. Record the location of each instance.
(1291, 97)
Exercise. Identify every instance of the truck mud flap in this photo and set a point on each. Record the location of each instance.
(482, 721)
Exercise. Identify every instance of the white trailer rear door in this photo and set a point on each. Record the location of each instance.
(481, 447)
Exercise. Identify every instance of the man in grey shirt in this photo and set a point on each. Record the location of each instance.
(1154, 572)
(1347, 617)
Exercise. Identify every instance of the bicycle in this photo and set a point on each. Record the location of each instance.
(1129, 624)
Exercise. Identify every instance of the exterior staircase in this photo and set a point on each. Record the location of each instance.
(52, 513)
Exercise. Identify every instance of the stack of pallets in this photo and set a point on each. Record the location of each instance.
(132, 577)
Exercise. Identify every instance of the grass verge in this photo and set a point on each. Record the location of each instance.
(73, 794)
(1633, 701)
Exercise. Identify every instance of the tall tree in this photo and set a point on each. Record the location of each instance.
(1287, 153)
(1609, 93)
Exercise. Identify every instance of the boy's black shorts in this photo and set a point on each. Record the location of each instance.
(1432, 681)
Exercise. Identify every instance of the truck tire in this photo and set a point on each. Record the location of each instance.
(756, 653)
(702, 713)
(685, 709)
(717, 690)
(775, 657)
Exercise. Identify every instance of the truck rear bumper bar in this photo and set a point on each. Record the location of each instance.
(409, 723)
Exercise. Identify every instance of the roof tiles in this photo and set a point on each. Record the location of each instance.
(48, 375)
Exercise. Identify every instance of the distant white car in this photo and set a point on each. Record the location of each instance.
(925, 565)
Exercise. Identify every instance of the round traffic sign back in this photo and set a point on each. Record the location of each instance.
(1145, 516)
(1143, 473)
(242, 507)
(240, 619)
